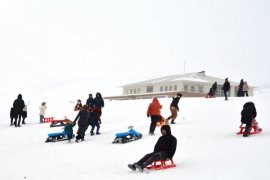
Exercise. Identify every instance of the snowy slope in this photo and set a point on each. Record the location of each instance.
(208, 147)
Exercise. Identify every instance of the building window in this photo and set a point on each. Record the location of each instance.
(185, 87)
(200, 89)
(170, 88)
(192, 89)
(161, 89)
(130, 91)
(166, 88)
(138, 90)
(134, 91)
(149, 89)
(175, 87)
(127, 91)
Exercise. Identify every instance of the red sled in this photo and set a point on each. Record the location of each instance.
(48, 119)
(161, 165)
(252, 130)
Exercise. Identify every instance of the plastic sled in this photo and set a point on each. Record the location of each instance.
(162, 165)
(60, 136)
(130, 135)
(56, 123)
(48, 119)
(252, 130)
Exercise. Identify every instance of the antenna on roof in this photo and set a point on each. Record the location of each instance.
(184, 67)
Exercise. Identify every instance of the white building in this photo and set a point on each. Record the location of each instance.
(190, 84)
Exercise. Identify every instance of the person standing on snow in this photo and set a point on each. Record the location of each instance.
(83, 122)
(226, 87)
(18, 106)
(99, 104)
(174, 108)
(42, 109)
(154, 112)
(24, 114)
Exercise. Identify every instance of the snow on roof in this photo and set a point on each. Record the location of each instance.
(190, 79)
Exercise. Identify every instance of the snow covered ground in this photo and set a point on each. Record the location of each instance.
(208, 147)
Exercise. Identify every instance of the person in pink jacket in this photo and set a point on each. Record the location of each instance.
(154, 112)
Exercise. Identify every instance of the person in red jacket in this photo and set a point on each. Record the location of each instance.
(154, 112)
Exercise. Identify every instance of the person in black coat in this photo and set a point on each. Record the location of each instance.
(94, 121)
(99, 104)
(12, 115)
(226, 87)
(164, 149)
(240, 92)
(248, 114)
(214, 88)
(18, 106)
(83, 122)
(174, 108)
(90, 101)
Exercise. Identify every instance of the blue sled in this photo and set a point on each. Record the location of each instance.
(130, 135)
(60, 136)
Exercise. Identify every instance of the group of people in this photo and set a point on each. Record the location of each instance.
(89, 114)
(154, 111)
(18, 112)
(243, 89)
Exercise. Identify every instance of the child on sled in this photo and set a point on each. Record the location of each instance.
(248, 115)
(68, 129)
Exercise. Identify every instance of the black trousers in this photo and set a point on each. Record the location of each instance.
(154, 120)
(151, 157)
(18, 115)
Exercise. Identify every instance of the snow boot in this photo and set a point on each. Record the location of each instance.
(139, 167)
(132, 167)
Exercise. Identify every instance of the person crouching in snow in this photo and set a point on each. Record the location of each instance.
(248, 115)
(94, 120)
(68, 129)
(154, 112)
(164, 149)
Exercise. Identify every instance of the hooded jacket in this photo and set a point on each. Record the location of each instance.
(166, 143)
(248, 113)
(154, 108)
(18, 104)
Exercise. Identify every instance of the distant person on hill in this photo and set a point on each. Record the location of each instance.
(214, 88)
(18, 106)
(24, 114)
(78, 106)
(99, 104)
(154, 112)
(240, 89)
(210, 93)
(42, 111)
(164, 149)
(83, 122)
(245, 89)
(94, 120)
(174, 108)
(248, 115)
(12, 115)
(226, 87)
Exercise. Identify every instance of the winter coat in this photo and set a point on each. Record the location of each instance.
(226, 86)
(42, 110)
(214, 87)
(18, 104)
(90, 101)
(12, 113)
(69, 128)
(83, 121)
(98, 101)
(248, 113)
(166, 143)
(154, 108)
(24, 112)
(175, 102)
(93, 119)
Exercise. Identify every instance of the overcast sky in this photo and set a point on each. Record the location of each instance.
(116, 42)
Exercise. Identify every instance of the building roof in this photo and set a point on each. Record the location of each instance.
(195, 77)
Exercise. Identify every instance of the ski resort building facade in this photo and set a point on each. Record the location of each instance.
(190, 85)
